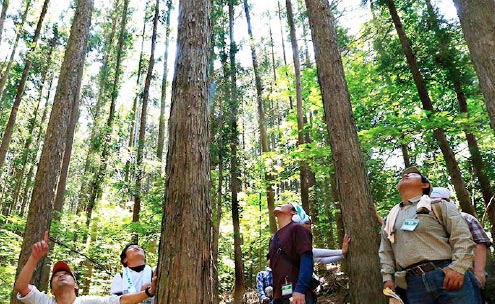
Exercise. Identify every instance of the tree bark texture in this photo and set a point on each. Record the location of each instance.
(185, 265)
(350, 173)
(67, 94)
(478, 26)
(3, 14)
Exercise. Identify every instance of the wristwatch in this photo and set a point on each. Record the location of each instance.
(148, 293)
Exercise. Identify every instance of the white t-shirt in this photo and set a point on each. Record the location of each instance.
(37, 297)
(130, 281)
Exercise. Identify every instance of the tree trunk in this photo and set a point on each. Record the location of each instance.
(103, 83)
(291, 103)
(270, 194)
(350, 172)
(9, 129)
(20, 29)
(439, 134)
(217, 217)
(235, 174)
(67, 94)
(455, 76)
(98, 179)
(163, 97)
(3, 14)
(478, 26)
(142, 127)
(303, 166)
(185, 264)
(133, 116)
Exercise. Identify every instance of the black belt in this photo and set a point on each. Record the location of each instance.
(426, 266)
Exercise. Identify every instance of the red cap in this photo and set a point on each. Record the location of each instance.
(61, 265)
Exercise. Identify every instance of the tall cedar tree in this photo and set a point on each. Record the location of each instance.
(235, 172)
(3, 14)
(184, 266)
(350, 172)
(9, 129)
(439, 134)
(66, 99)
(163, 97)
(445, 58)
(478, 26)
(97, 183)
(142, 125)
(19, 32)
(303, 166)
(270, 193)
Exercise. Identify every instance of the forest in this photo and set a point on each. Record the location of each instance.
(181, 125)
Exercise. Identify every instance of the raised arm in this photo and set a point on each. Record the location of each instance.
(38, 251)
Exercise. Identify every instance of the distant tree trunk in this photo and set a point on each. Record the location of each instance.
(185, 275)
(20, 28)
(405, 154)
(9, 129)
(350, 172)
(37, 144)
(163, 97)
(439, 134)
(32, 124)
(478, 26)
(447, 61)
(103, 84)
(291, 103)
(142, 127)
(3, 14)
(235, 174)
(132, 115)
(98, 179)
(217, 217)
(67, 94)
(303, 166)
(270, 194)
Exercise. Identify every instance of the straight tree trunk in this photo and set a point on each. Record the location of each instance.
(291, 103)
(103, 84)
(235, 174)
(67, 94)
(142, 127)
(185, 265)
(478, 26)
(303, 166)
(3, 14)
(98, 179)
(439, 134)
(455, 75)
(133, 116)
(9, 129)
(217, 217)
(20, 28)
(270, 194)
(350, 172)
(163, 97)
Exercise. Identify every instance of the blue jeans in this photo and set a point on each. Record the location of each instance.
(427, 289)
(286, 301)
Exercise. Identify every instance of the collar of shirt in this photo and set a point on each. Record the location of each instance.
(411, 201)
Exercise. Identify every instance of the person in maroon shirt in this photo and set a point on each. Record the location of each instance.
(291, 257)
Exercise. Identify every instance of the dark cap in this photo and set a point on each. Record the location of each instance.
(424, 180)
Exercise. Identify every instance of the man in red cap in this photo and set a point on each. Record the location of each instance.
(63, 284)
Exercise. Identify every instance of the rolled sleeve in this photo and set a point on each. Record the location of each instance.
(387, 259)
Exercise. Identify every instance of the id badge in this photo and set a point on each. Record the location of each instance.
(409, 225)
(287, 289)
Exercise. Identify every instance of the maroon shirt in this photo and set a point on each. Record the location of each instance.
(295, 240)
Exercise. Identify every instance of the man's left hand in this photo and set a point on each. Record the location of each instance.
(480, 275)
(453, 280)
(298, 298)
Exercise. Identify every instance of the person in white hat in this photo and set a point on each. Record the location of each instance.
(291, 257)
(479, 236)
(63, 284)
